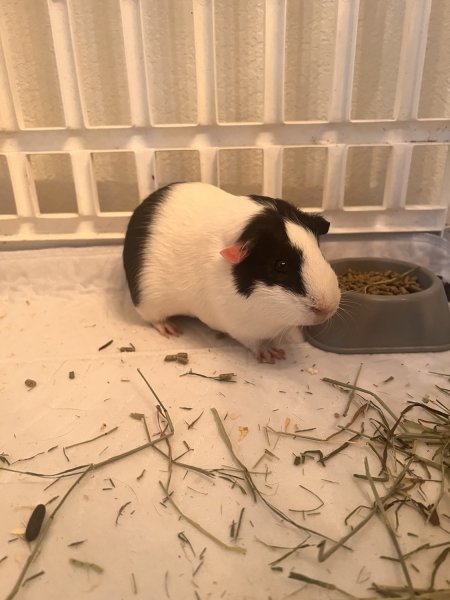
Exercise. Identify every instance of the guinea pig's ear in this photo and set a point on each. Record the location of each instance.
(317, 224)
(235, 254)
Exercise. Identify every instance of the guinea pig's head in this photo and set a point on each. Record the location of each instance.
(278, 264)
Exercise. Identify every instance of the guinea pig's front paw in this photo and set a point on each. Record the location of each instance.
(262, 349)
(167, 328)
(270, 355)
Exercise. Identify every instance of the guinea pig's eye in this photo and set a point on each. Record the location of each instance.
(281, 266)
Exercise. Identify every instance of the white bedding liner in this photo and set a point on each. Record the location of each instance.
(57, 307)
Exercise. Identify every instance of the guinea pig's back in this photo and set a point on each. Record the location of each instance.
(136, 240)
(175, 238)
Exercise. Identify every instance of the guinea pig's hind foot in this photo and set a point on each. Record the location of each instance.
(167, 328)
(270, 355)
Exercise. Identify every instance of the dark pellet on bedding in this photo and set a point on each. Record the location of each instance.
(105, 345)
(130, 348)
(35, 523)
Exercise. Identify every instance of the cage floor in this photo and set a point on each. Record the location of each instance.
(57, 308)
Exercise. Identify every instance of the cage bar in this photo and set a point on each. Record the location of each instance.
(445, 190)
(65, 64)
(208, 165)
(23, 186)
(8, 119)
(396, 184)
(134, 61)
(272, 172)
(7, 204)
(258, 128)
(145, 172)
(84, 184)
(412, 59)
(379, 220)
(274, 44)
(334, 186)
(217, 136)
(344, 60)
(204, 61)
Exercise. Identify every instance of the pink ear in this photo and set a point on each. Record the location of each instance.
(235, 254)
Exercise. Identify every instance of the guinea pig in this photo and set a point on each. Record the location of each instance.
(248, 266)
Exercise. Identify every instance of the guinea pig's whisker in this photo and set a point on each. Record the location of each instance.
(347, 302)
(340, 314)
(346, 299)
(347, 307)
(327, 326)
(342, 319)
(345, 315)
(348, 311)
(343, 311)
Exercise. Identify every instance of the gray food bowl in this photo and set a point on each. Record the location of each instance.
(418, 322)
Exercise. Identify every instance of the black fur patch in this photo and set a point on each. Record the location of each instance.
(136, 238)
(268, 243)
(315, 223)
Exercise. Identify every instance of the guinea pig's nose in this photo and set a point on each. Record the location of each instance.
(321, 312)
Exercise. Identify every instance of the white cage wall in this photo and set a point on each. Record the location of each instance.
(336, 105)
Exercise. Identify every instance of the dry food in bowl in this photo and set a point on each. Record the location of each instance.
(378, 323)
(386, 283)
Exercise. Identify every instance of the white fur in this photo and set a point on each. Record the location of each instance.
(184, 273)
(319, 278)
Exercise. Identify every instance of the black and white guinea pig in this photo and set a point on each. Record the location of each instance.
(249, 266)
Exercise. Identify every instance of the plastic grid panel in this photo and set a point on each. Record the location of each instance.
(148, 92)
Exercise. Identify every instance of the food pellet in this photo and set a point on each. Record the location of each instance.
(35, 523)
(181, 358)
